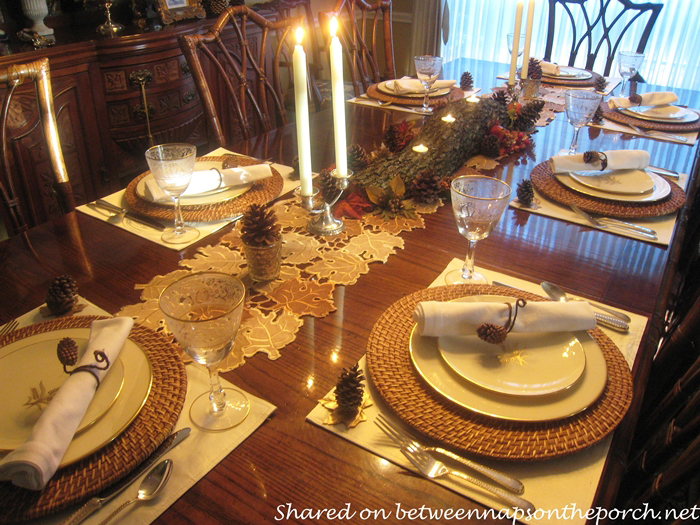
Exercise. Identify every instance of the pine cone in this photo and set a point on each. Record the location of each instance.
(466, 82)
(534, 69)
(635, 99)
(327, 186)
(397, 136)
(349, 391)
(525, 192)
(598, 116)
(501, 96)
(216, 7)
(491, 333)
(528, 116)
(62, 295)
(490, 146)
(230, 161)
(67, 351)
(378, 154)
(357, 157)
(591, 157)
(259, 226)
(427, 187)
(600, 84)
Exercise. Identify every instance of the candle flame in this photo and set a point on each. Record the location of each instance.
(420, 148)
(448, 118)
(334, 26)
(300, 34)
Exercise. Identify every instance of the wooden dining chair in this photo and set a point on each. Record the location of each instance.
(606, 22)
(365, 31)
(14, 76)
(237, 73)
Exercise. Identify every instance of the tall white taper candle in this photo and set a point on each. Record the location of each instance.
(302, 115)
(338, 94)
(516, 43)
(528, 38)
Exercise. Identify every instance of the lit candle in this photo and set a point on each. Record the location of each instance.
(528, 38)
(420, 148)
(338, 95)
(302, 115)
(448, 118)
(472, 99)
(516, 43)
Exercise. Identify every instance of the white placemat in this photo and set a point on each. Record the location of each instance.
(612, 84)
(565, 485)
(609, 125)
(664, 226)
(192, 458)
(153, 235)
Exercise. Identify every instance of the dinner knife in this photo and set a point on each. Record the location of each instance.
(664, 172)
(98, 502)
(136, 217)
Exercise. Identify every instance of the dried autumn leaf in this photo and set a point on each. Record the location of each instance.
(153, 289)
(375, 194)
(147, 313)
(299, 249)
(397, 186)
(339, 267)
(269, 333)
(217, 258)
(375, 246)
(395, 225)
(304, 297)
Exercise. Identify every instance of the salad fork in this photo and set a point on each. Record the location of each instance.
(404, 439)
(9, 327)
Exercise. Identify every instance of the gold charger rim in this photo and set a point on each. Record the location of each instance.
(152, 425)
(427, 412)
(585, 82)
(454, 94)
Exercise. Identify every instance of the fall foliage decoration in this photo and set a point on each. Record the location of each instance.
(389, 201)
(397, 136)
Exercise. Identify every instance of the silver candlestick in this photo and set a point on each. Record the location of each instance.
(323, 222)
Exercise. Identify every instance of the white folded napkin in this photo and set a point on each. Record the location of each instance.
(550, 68)
(208, 180)
(406, 85)
(32, 464)
(626, 159)
(654, 98)
(435, 318)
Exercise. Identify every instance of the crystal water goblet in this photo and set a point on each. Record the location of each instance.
(203, 311)
(628, 63)
(427, 69)
(478, 202)
(580, 108)
(510, 37)
(171, 166)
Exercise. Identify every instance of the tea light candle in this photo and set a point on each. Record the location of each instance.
(528, 39)
(302, 115)
(472, 99)
(516, 43)
(338, 95)
(420, 148)
(448, 118)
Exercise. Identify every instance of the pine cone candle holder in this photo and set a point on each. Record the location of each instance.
(262, 242)
(466, 82)
(62, 295)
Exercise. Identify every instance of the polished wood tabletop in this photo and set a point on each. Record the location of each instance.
(288, 460)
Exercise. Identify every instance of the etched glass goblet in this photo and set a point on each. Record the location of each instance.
(427, 69)
(628, 63)
(580, 108)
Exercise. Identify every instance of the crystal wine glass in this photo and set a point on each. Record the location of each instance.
(478, 202)
(203, 311)
(521, 43)
(172, 166)
(427, 69)
(580, 108)
(628, 63)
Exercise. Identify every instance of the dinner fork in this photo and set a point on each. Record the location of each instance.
(8, 327)
(404, 439)
(619, 226)
(653, 133)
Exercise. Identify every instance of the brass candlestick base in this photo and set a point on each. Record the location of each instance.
(110, 28)
(323, 222)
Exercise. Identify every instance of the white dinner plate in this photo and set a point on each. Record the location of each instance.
(622, 182)
(137, 378)
(429, 363)
(664, 113)
(386, 87)
(661, 190)
(570, 73)
(203, 189)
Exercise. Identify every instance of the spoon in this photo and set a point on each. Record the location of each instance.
(151, 485)
(557, 294)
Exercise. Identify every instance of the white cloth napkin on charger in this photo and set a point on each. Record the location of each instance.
(406, 85)
(550, 68)
(654, 98)
(627, 159)
(436, 318)
(227, 178)
(32, 464)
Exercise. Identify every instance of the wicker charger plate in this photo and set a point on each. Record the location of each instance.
(454, 94)
(572, 82)
(262, 192)
(429, 413)
(546, 183)
(154, 423)
(621, 118)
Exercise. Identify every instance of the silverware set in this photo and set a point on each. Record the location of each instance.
(607, 223)
(661, 134)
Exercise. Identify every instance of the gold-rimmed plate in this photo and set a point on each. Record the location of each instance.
(660, 191)
(621, 182)
(570, 73)
(664, 113)
(108, 420)
(387, 88)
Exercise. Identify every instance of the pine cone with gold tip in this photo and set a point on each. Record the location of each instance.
(327, 186)
(259, 226)
(466, 82)
(601, 84)
(525, 192)
(67, 351)
(427, 187)
(534, 69)
(357, 157)
(397, 136)
(349, 391)
(62, 295)
(492, 333)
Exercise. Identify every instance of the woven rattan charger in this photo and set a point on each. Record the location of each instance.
(621, 118)
(433, 415)
(547, 184)
(262, 192)
(454, 94)
(153, 424)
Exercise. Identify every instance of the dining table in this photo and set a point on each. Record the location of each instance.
(290, 469)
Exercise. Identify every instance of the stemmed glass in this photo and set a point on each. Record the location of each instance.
(427, 69)
(521, 43)
(203, 311)
(478, 203)
(172, 166)
(628, 63)
(580, 108)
